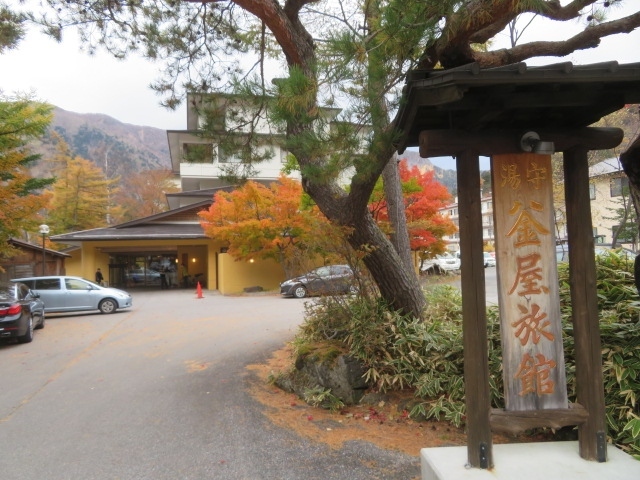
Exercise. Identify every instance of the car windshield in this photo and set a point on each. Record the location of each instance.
(13, 292)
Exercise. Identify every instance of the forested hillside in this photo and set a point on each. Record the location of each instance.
(446, 177)
(119, 149)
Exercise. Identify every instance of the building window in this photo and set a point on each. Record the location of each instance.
(235, 155)
(197, 152)
(618, 186)
(592, 191)
(624, 234)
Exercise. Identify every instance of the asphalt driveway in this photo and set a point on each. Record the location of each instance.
(160, 392)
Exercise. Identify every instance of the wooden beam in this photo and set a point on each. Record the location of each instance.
(584, 305)
(438, 143)
(516, 422)
(474, 319)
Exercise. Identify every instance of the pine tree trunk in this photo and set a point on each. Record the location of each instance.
(396, 212)
(398, 286)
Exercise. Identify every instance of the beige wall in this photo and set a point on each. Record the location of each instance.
(73, 265)
(603, 207)
(235, 276)
(220, 271)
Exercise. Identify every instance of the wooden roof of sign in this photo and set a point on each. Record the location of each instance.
(516, 97)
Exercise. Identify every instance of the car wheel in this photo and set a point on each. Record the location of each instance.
(28, 336)
(353, 290)
(300, 292)
(108, 305)
(41, 324)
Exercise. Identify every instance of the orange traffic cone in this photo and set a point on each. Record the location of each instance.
(199, 291)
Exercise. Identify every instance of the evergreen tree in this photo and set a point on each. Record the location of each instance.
(370, 47)
(11, 28)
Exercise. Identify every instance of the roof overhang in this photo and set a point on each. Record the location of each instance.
(143, 232)
(515, 97)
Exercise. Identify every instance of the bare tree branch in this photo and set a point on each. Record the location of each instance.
(481, 21)
(588, 38)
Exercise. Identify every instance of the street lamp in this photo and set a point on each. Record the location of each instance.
(44, 230)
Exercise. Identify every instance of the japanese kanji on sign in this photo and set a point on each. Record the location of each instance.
(531, 330)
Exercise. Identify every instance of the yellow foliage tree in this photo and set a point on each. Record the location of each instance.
(21, 121)
(81, 194)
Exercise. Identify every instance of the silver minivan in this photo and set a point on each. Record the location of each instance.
(75, 294)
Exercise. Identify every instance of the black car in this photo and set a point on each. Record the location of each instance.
(21, 311)
(328, 280)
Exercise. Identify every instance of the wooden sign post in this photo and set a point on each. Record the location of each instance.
(531, 329)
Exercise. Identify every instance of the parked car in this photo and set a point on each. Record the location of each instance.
(444, 263)
(21, 312)
(489, 260)
(604, 249)
(562, 252)
(142, 276)
(75, 294)
(328, 280)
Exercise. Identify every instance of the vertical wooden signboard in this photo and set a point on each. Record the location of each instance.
(531, 330)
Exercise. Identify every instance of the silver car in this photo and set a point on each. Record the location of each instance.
(75, 294)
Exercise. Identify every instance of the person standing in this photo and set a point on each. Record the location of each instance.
(185, 275)
(99, 277)
(163, 279)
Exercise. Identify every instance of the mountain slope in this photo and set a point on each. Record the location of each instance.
(447, 177)
(121, 148)
(118, 148)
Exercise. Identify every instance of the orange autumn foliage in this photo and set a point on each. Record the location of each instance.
(423, 197)
(267, 222)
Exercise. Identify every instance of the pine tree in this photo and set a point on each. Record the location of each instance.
(371, 46)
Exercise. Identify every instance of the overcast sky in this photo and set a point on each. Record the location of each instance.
(66, 77)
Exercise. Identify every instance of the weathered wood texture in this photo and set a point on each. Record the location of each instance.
(436, 143)
(531, 327)
(586, 331)
(474, 321)
(514, 423)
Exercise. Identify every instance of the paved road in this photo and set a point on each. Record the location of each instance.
(490, 283)
(159, 392)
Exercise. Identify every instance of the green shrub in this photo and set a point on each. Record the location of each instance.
(619, 312)
(427, 356)
(323, 398)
